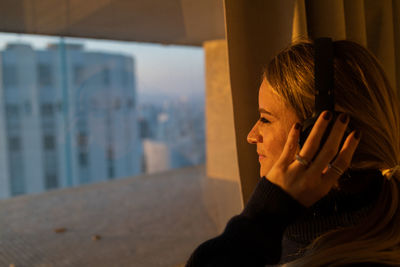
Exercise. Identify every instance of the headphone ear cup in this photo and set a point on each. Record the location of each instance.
(308, 124)
(307, 127)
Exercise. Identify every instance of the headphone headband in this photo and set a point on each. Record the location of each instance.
(324, 75)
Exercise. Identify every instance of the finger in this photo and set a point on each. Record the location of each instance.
(313, 141)
(290, 148)
(343, 160)
(331, 146)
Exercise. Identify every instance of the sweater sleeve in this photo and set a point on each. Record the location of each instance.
(254, 237)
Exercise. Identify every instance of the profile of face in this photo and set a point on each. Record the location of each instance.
(270, 132)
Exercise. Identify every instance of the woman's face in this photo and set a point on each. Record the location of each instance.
(271, 130)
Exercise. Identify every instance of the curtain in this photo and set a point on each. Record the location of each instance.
(257, 29)
(372, 23)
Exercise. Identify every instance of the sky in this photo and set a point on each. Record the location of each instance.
(163, 70)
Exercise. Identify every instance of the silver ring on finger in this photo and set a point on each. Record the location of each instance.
(336, 169)
(302, 160)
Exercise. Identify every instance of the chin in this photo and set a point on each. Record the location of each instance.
(264, 170)
(262, 173)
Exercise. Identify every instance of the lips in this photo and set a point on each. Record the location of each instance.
(260, 156)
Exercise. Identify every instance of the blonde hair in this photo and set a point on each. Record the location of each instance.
(362, 91)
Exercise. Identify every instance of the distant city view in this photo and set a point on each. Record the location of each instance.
(71, 116)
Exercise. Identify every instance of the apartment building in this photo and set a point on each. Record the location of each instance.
(67, 117)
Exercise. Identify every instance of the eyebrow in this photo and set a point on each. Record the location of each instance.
(261, 110)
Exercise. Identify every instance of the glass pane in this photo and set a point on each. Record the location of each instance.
(78, 111)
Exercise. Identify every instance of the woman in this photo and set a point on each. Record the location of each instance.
(304, 210)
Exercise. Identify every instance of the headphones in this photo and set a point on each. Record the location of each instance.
(324, 90)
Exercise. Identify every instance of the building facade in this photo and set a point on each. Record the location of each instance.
(67, 117)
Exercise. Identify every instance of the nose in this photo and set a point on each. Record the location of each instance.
(254, 137)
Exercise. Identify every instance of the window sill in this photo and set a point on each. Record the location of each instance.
(149, 220)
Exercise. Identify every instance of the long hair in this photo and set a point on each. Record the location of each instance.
(362, 91)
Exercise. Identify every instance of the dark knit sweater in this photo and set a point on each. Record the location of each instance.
(273, 227)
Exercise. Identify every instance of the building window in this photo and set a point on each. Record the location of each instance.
(110, 153)
(116, 103)
(78, 72)
(110, 162)
(17, 178)
(83, 159)
(14, 143)
(144, 129)
(12, 110)
(130, 103)
(10, 77)
(106, 77)
(58, 106)
(47, 109)
(110, 172)
(125, 78)
(45, 75)
(51, 181)
(28, 107)
(49, 142)
(82, 140)
(17, 183)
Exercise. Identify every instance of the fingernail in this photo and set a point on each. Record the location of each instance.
(357, 134)
(344, 117)
(297, 126)
(327, 115)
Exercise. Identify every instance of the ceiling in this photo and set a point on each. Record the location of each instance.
(181, 22)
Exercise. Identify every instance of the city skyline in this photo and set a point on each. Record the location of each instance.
(170, 71)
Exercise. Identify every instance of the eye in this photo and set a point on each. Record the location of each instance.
(264, 120)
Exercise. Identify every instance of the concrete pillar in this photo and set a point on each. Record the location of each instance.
(222, 193)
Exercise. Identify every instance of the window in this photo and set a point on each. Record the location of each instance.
(144, 129)
(49, 142)
(97, 106)
(51, 181)
(110, 153)
(125, 78)
(47, 109)
(130, 104)
(106, 77)
(14, 143)
(45, 75)
(12, 110)
(28, 107)
(117, 104)
(110, 172)
(10, 77)
(82, 140)
(17, 183)
(83, 159)
(59, 106)
(17, 177)
(78, 74)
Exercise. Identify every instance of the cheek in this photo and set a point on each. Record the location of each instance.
(274, 146)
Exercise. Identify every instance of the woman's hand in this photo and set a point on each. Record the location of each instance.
(309, 183)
